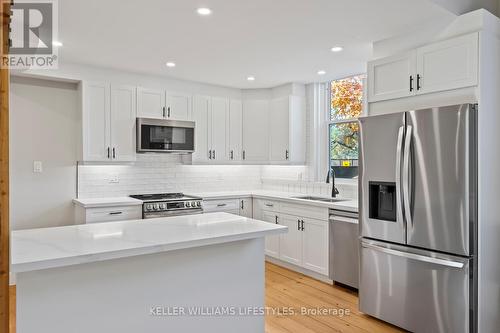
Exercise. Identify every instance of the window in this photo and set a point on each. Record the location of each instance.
(346, 105)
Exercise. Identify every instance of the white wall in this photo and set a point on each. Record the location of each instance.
(43, 122)
(460, 7)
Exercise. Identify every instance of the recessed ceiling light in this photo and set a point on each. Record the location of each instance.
(57, 43)
(321, 72)
(204, 11)
(337, 48)
(170, 64)
(251, 78)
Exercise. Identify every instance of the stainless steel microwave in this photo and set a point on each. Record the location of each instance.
(165, 136)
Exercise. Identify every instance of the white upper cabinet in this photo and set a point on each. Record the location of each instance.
(202, 106)
(235, 129)
(256, 130)
(123, 122)
(178, 106)
(161, 104)
(219, 130)
(108, 122)
(287, 130)
(446, 65)
(151, 103)
(392, 77)
(96, 121)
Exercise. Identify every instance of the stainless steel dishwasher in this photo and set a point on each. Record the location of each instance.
(344, 247)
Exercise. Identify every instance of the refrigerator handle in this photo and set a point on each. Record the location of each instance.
(406, 175)
(413, 256)
(399, 150)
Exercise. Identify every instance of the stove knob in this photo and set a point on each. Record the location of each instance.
(149, 206)
(163, 206)
(198, 204)
(188, 204)
(155, 206)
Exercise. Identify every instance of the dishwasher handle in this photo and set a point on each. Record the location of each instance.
(336, 218)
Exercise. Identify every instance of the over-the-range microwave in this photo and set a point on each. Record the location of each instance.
(165, 136)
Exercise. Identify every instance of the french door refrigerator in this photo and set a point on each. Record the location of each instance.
(418, 212)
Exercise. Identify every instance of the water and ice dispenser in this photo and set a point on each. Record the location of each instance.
(382, 201)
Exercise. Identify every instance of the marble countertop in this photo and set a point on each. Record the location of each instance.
(107, 202)
(36, 249)
(345, 204)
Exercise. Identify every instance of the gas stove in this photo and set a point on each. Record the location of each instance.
(169, 204)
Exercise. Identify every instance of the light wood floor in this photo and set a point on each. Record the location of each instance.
(288, 289)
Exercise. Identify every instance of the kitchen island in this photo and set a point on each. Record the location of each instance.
(195, 273)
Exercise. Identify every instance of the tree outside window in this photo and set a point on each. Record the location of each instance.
(346, 105)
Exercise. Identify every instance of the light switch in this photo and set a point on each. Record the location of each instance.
(113, 179)
(37, 166)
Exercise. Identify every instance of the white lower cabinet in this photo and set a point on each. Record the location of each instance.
(107, 214)
(291, 242)
(246, 207)
(272, 243)
(306, 244)
(315, 245)
(237, 206)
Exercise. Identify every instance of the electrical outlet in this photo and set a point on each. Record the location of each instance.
(37, 166)
(113, 179)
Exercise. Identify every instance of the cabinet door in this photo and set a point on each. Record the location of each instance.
(151, 103)
(178, 106)
(291, 242)
(246, 207)
(235, 128)
(315, 245)
(201, 116)
(256, 130)
(447, 65)
(123, 115)
(220, 129)
(392, 77)
(272, 243)
(279, 129)
(96, 121)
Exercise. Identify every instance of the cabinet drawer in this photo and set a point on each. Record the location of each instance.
(119, 213)
(268, 205)
(313, 212)
(231, 205)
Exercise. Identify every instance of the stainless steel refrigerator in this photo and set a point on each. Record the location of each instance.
(418, 213)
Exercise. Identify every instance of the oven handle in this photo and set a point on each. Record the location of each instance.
(413, 256)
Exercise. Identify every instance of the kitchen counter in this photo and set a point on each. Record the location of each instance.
(107, 202)
(43, 248)
(350, 205)
(128, 276)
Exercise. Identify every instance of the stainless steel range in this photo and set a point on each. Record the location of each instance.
(169, 204)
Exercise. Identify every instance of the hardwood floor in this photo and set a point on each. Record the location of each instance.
(285, 290)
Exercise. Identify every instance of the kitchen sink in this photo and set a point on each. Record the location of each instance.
(322, 199)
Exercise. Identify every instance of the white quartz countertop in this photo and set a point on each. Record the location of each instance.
(345, 204)
(107, 202)
(37, 249)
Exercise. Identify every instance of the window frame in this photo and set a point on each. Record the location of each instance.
(330, 122)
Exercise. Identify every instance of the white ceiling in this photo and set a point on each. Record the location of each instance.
(277, 41)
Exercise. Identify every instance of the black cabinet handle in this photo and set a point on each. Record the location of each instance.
(242, 207)
(114, 153)
(302, 228)
(221, 205)
(418, 81)
(210, 154)
(109, 153)
(244, 155)
(168, 112)
(276, 220)
(214, 154)
(163, 108)
(298, 225)
(232, 155)
(115, 213)
(411, 83)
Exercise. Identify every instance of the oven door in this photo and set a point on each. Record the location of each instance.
(169, 213)
(165, 136)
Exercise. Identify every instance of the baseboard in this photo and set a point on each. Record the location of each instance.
(12, 279)
(292, 267)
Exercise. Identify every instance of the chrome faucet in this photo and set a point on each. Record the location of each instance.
(335, 191)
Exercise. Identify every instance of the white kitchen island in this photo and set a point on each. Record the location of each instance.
(196, 273)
